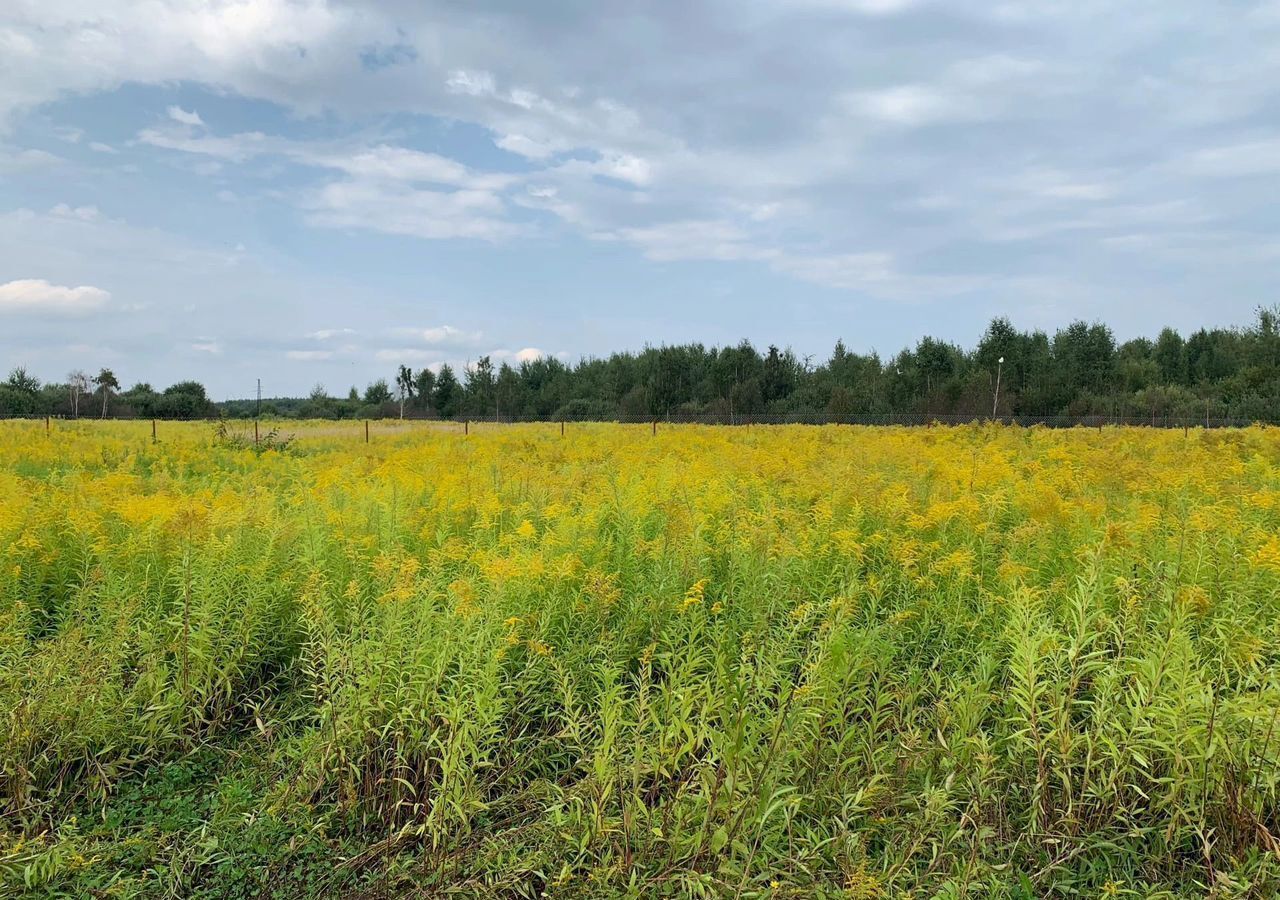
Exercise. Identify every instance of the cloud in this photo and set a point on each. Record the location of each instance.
(399, 209)
(83, 213)
(445, 334)
(386, 188)
(37, 296)
(698, 239)
(207, 345)
(326, 334)
(406, 355)
(309, 355)
(861, 7)
(910, 104)
(26, 160)
(99, 147)
(180, 115)
(526, 354)
(1245, 158)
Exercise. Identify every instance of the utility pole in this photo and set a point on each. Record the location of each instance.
(999, 371)
(257, 410)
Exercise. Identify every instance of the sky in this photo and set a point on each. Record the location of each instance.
(316, 191)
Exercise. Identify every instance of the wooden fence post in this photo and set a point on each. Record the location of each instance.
(46, 426)
(366, 431)
(255, 432)
(655, 427)
(466, 426)
(562, 428)
(153, 431)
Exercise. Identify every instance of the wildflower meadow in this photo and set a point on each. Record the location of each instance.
(635, 661)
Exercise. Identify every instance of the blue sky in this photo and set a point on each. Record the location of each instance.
(315, 191)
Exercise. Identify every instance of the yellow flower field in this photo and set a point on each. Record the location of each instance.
(769, 661)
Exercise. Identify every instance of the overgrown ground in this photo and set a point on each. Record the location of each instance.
(766, 662)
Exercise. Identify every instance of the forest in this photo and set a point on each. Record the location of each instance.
(1079, 370)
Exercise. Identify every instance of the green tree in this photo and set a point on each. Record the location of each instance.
(107, 382)
(1171, 357)
(404, 386)
(506, 391)
(447, 393)
(480, 386)
(377, 393)
(424, 385)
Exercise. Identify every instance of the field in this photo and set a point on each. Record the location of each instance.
(754, 662)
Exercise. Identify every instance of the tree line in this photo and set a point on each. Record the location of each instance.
(1079, 370)
(83, 396)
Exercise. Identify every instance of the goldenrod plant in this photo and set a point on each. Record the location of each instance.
(973, 661)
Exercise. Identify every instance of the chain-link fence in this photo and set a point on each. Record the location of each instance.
(912, 419)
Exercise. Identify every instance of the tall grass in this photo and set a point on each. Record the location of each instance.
(960, 662)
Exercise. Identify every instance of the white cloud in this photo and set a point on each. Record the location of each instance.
(620, 166)
(37, 296)
(1258, 157)
(446, 334)
(526, 354)
(473, 84)
(968, 90)
(99, 147)
(400, 209)
(83, 213)
(237, 148)
(182, 116)
(326, 334)
(1078, 191)
(862, 7)
(530, 148)
(909, 104)
(207, 345)
(848, 270)
(26, 160)
(309, 355)
(406, 355)
(382, 192)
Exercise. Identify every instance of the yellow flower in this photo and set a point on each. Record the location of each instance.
(693, 596)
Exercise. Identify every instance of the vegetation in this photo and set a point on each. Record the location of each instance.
(975, 662)
(1079, 371)
(1231, 373)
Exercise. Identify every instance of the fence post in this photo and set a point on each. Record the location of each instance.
(46, 426)
(562, 428)
(655, 427)
(153, 431)
(255, 432)
(466, 426)
(366, 431)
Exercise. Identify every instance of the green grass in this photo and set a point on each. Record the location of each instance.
(799, 662)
